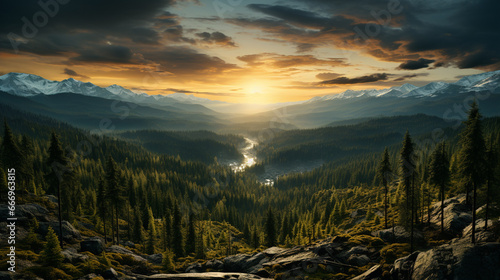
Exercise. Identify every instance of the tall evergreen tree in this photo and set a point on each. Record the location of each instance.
(177, 236)
(270, 227)
(384, 174)
(472, 163)
(57, 163)
(102, 206)
(191, 235)
(406, 175)
(114, 192)
(439, 174)
(492, 163)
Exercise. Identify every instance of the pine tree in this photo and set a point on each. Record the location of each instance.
(472, 163)
(492, 163)
(439, 174)
(177, 236)
(114, 193)
(102, 205)
(270, 227)
(57, 163)
(150, 245)
(138, 230)
(12, 156)
(51, 254)
(191, 238)
(384, 173)
(407, 175)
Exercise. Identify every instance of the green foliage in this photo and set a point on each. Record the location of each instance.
(49, 272)
(168, 262)
(394, 251)
(51, 254)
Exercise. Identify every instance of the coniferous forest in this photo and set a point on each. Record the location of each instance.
(172, 212)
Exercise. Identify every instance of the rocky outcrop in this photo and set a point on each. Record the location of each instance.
(205, 276)
(458, 261)
(72, 256)
(120, 250)
(70, 233)
(26, 212)
(457, 214)
(398, 235)
(95, 245)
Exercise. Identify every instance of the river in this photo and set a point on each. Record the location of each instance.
(249, 155)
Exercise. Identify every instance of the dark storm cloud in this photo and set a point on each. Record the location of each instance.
(181, 60)
(463, 33)
(416, 64)
(105, 54)
(411, 76)
(73, 73)
(358, 80)
(217, 38)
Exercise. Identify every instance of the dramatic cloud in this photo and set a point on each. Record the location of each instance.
(217, 38)
(287, 61)
(73, 73)
(416, 64)
(358, 80)
(396, 31)
(411, 76)
(328, 76)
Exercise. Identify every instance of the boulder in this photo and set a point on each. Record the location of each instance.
(398, 235)
(194, 268)
(254, 264)
(373, 273)
(214, 264)
(95, 245)
(110, 274)
(72, 256)
(459, 262)
(26, 212)
(89, 276)
(120, 250)
(205, 276)
(403, 267)
(236, 263)
(155, 258)
(481, 234)
(358, 260)
(457, 214)
(69, 232)
(272, 251)
(301, 259)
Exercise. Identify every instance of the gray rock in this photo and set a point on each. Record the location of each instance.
(236, 263)
(205, 276)
(358, 260)
(194, 268)
(120, 250)
(272, 251)
(128, 244)
(457, 215)
(459, 262)
(398, 235)
(71, 256)
(52, 198)
(155, 258)
(373, 273)
(481, 234)
(88, 277)
(254, 263)
(26, 212)
(214, 264)
(69, 232)
(295, 259)
(95, 245)
(403, 267)
(110, 274)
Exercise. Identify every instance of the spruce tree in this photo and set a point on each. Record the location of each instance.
(114, 193)
(191, 236)
(270, 227)
(492, 163)
(472, 158)
(177, 236)
(384, 173)
(439, 174)
(57, 163)
(102, 208)
(51, 254)
(406, 175)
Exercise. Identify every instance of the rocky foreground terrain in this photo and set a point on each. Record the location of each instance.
(373, 255)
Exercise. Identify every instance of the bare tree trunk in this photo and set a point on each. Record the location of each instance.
(385, 204)
(474, 214)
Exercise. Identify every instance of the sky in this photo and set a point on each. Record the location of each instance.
(249, 51)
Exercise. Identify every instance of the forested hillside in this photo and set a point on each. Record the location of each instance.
(190, 210)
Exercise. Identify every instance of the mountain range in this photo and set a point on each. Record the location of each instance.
(83, 103)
